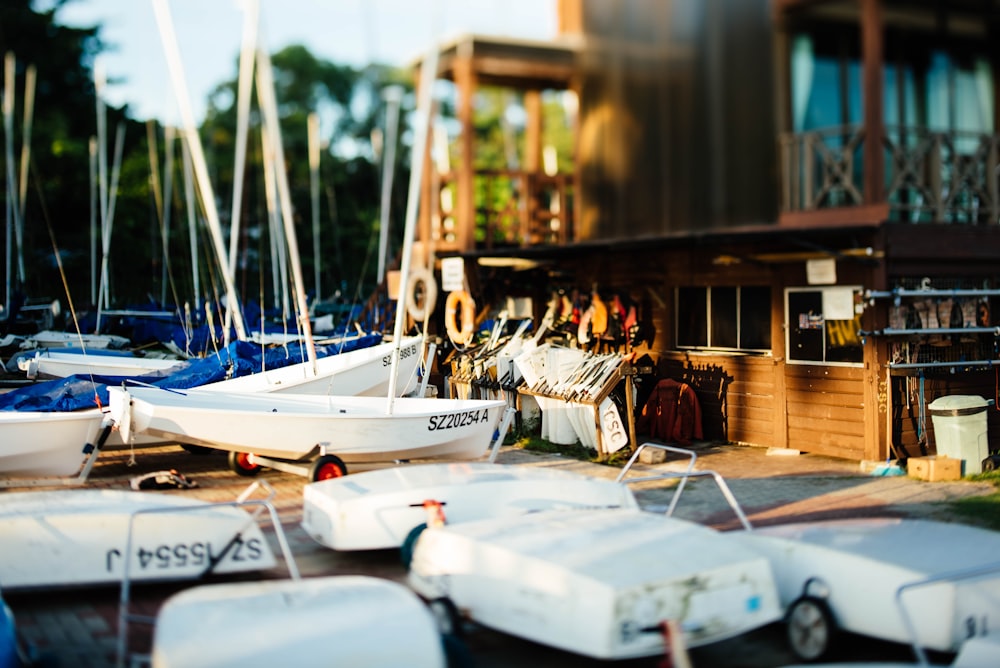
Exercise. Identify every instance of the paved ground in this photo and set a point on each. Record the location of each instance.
(80, 627)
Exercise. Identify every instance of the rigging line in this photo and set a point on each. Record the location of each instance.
(62, 272)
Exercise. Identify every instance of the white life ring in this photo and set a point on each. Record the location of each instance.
(419, 311)
(459, 299)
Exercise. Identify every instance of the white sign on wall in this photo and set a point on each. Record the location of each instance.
(821, 271)
(452, 274)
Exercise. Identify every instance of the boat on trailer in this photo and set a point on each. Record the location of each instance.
(90, 537)
(318, 436)
(351, 620)
(380, 509)
(602, 583)
(844, 575)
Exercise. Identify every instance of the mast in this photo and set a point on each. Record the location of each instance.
(392, 96)
(313, 136)
(428, 75)
(200, 166)
(12, 210)
(265, 89)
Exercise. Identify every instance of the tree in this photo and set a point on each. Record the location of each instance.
(64, 120)
(347, 101)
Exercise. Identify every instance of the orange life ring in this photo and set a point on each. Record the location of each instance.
(416, 307)
(459, 299)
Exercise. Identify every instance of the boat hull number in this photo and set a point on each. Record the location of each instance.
(184, 555)
(457, 420)
(408, 351)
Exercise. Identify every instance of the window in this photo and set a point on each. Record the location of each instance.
(823, 325)
(731, 318)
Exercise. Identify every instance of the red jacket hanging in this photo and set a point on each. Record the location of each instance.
(672, 413)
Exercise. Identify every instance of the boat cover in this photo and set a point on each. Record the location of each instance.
(239, 358)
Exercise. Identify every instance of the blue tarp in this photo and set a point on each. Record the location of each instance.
(240, 358)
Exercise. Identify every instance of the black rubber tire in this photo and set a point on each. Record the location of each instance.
(811, 628)
(990, 463)
(406, 548)
(327, 467)
(446, 615)
(239, 465)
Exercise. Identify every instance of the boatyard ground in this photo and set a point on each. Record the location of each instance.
(80, 627)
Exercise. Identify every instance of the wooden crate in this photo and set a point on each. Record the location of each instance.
(934, 469)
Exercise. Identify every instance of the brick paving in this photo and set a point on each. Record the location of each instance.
(80, 627)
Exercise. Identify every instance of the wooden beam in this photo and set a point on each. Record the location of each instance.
(871, 77)
(465, 205)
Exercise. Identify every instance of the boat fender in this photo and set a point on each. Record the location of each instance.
(459, 299)
(162, 480)
(421, 293)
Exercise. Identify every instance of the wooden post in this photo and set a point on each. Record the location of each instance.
(871, 76)
(465, 205)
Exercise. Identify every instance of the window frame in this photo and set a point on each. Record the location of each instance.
(737, 315)
(857, 291)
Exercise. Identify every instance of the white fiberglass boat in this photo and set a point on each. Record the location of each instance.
(344, 620)
(601, 583)
(55, 363)
(43, 443)
(379, 509)
(845, 574)
(361, 372)
(66, 538)
(294, 427)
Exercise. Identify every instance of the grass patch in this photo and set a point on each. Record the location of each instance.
(575, 451)
(983, 510)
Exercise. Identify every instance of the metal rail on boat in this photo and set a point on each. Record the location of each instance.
(683, 477)
(243, 500)
(957, 575)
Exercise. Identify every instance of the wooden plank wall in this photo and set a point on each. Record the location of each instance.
(736, 394)
(826, 410)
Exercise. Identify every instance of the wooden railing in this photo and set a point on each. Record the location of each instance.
(929, 176)
(513, 208)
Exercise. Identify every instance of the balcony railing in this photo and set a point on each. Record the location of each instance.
(513, 208)
(948, 177)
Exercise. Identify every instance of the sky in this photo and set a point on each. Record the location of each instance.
(209, 33)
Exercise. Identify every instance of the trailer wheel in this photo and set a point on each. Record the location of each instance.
(811, 628)
(239, 463)
(446, 615)
(990, 463)
(326, 467)
(406, 549)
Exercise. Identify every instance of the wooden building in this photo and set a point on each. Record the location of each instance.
(800, 197)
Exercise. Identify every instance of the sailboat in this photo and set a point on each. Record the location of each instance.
(315, 435)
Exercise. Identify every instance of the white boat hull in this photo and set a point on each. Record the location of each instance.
(363, 372)
(378, 509)
(73, 538)
(42, 443)
(50, 363)
(294, 426)
(861, 564)
(335, 620)
(597, 582)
